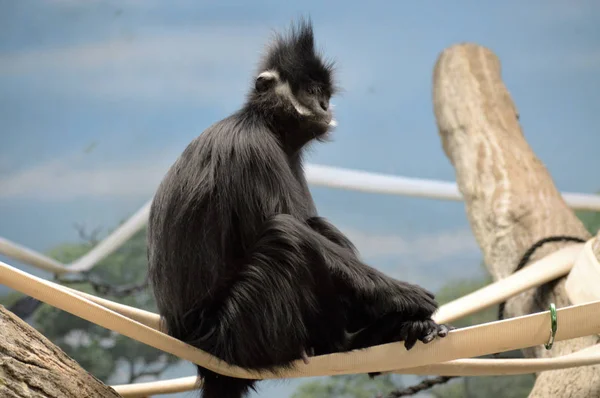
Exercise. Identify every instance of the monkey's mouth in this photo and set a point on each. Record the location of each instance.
(323, 121)
(326, 125)
(328, 121)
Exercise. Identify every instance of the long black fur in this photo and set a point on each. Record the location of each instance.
(241, 264)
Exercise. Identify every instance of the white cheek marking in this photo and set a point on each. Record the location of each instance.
(333, 122)
(284, 90)
(270, 74)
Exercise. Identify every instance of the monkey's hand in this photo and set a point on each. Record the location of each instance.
(411, 331)
(424, 331)
(393, 296)
(414, 307)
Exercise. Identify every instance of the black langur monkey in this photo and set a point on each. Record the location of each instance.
(241, 264)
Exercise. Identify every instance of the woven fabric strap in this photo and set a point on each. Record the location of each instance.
(445, 356)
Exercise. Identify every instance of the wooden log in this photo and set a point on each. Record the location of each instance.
(32, 367)
(511, 200)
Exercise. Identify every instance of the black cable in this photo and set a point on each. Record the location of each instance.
(422, 386)
(428, 383)
(105, 288)
(527, 256)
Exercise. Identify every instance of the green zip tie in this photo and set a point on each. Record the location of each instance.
(553, 327)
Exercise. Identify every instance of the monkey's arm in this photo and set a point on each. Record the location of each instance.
(347, 249)
(317, 223)
(329, 231)
(369, 293)
(367, 284)
(276, 191)
(382, 327)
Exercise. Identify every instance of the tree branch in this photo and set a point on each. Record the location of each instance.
(32, 367)
(145, 371)
(90, 238)
(104, 288)
(511, 200)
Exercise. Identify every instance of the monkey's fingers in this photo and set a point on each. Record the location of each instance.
(433, 330)
(444, 329)
(429, 336)
(417, 330)
(430, 330)
(437, 331)
(305, 356)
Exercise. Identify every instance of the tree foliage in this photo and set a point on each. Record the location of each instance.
(349, 386)
(99, 350)
(591, 220)
(485, 387)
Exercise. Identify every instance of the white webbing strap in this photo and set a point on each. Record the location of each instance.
(144, 317)
(584, 279)
(459, 367)
(30, 257)
(511, 334)
(478, 340)
(172, 386)
(86, 262)
(544, 270)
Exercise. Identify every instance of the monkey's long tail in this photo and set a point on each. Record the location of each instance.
(218, 386)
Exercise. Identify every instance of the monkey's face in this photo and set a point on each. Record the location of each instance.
(316, 101)
(294, 87)
(305, 103)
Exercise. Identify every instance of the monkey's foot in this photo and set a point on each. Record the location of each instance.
(424, 331)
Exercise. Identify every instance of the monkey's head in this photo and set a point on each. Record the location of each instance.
(294, 86)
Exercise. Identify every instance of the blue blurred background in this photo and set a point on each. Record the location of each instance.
(98, 98)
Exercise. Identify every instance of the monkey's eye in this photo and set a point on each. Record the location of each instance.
(324, 104)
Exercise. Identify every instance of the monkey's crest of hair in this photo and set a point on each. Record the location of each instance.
(294, 57)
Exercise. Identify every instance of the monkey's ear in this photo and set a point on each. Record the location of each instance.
(265, 81)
